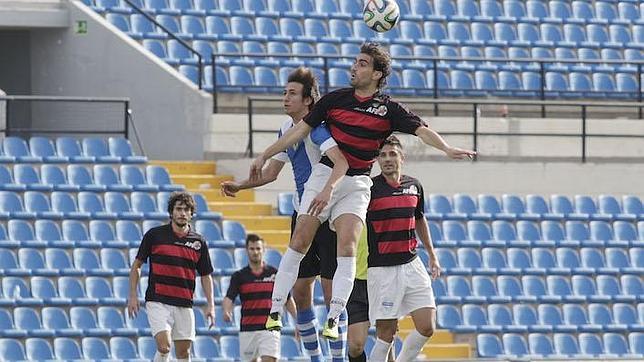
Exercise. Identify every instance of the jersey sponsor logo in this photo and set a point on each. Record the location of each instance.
(378, 110)
(270, 278)
(196, 245)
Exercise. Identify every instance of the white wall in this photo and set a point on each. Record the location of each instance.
(171, 114)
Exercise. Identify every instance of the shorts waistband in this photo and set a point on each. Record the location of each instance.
(350, 172)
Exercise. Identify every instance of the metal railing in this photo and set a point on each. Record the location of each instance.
(438, 64)
(200, 62)
(583, 135)
(68, 115)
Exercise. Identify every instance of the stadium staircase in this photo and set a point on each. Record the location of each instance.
(202, 177)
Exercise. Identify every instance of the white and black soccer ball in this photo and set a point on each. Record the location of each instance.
(381, 15)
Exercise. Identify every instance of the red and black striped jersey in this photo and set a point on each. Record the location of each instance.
(255, 291)
(391, 220)
(174, 262)
(360, 125)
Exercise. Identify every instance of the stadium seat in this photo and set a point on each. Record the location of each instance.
(95, 348)
(144, 203)
(12, 350)
(38, 203)
(56, 176)
(489, 346)
(38, 349)
(223, 261)
(34, 261)
(69, 147)
(27, 319)
(16, 147)
(117, 203)
(97, 148)
(105, 175)
(44, 148)
(234, 231)
(55, 318)
(158, 175)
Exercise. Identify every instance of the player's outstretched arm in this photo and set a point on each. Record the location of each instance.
(340, 167)
(291, 137)
(432, 138)
(422, 231)
(269, 174)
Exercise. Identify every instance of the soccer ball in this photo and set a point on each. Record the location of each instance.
(381, 15)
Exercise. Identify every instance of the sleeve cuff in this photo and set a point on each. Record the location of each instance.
(327, 145)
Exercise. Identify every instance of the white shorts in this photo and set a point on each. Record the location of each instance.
(253, 345)
(350, 196)
(180, 321)
(395, 291)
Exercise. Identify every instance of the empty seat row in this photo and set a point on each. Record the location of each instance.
(67, 149)
(79, 177)
(569, 318)
(548, 233)
(204, 348)
(553, 289)
(565, 346)
(508, 11)
(541, 261)
(47, 233)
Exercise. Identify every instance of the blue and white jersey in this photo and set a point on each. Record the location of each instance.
(305, 154)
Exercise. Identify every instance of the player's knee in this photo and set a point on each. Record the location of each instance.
(302, 298)
(427, 330)
(163, 348)
(355, 347)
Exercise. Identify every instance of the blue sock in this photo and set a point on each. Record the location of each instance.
(308, 334)
(338, 346)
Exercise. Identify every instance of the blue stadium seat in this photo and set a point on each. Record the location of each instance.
(81, 176)
(91, 203)
(514, 344)
(38, 349)
(113, 259)
(140, 322)
(223, 261)
(123, 348)
(121, 147)
(458, 286)
(67, 348)
(206, 348)
(56, 319)
(290, 348)
(625, 231)
(134, 176)
(44, 148)
(34, 261)
(58, 259)
(510, 286)
(17, 147)
(503, 231)
(7, 182)
(158, 175)
(475, 316)
(43, 288)
(11, 350)
(111, 319)
(489, 346)
(551, 315)
(27, 175)
(87, 259)
(144, 203)
(38, 203)
(585, 286)
(76, 231)
(105, 175)
(241, 257)
(27, 319)
(610, 206)
(117, 203)
(22, 231)
(590, 344)
(55, 175)
(97, 148)
(234, 231)
(229, 346)
(501, 315)
(69, 147)
(95, 348)
(540, 345)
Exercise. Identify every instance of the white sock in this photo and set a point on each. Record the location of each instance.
(411, 346)
(285, 278)
(342, 285)
(380, 351)
(159, 357)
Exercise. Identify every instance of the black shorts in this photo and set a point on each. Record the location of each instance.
(321, 259)
(358, 305)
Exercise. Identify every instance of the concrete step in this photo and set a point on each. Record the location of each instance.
(204, 182)
(440, 351)
(188, 167)
(276, 239)
(241, 208)
(281, 223)
(214, 194)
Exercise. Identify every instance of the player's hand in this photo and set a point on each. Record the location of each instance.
(228, 316)
(319, 202)
(434, 266)
(256, 169)
(459, 153)
(229, 188)
(133, 306)
(210, 316)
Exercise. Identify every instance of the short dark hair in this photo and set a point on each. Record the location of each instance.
(253, 238)
(309, 82)
(393, 141)
(181, 196)
(381, 60)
